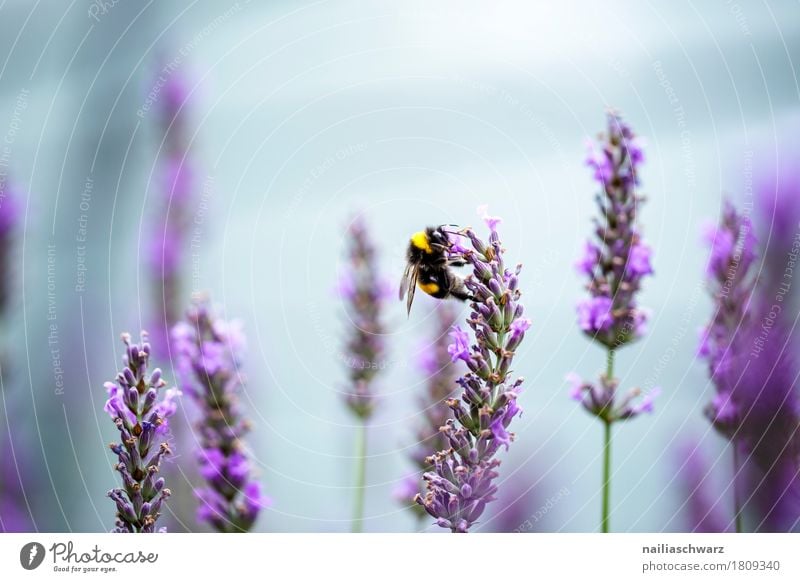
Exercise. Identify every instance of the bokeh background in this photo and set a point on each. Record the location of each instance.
(300, 115)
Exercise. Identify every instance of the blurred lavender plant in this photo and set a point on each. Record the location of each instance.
(702, 510)
(461, 482)
(141, 418)
(10, 210)
(440, 374)
(770, 399)
(615, 264)
(209, 351)
(749, 346)
(170, 224)
(12, 499)
(778, 220)
(362, 290)
(13, 518)
(520, 505)
(731, 280)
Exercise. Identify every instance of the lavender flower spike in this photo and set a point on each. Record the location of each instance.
(462, 480)
(141, 418)
(363, 293)
(726, 339)
(170, 227)
(209, 352)
(615, 262)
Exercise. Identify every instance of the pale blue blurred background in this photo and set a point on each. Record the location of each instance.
(412, 113)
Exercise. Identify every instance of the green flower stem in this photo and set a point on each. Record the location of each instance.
(604, 525)
(737, 504)
(361, 477)
(606, 476)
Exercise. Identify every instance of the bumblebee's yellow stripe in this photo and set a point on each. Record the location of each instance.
(429, 288)
(420, 240)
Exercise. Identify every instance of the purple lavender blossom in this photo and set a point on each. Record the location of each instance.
(440, 374)
(462, 480)
(601, 399)
(616, 262)
(460, 348)
(591, 256)
(141, 418)
(170, 224)
(594, 314)
(209, 351)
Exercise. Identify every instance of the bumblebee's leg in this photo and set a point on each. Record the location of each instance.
(456, 262)
(461, 293)
(457, 288)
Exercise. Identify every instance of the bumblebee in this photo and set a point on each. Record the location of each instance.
(429, 267)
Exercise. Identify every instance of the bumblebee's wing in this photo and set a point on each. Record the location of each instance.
(404, 282)
(409, 285)
(412, 289)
